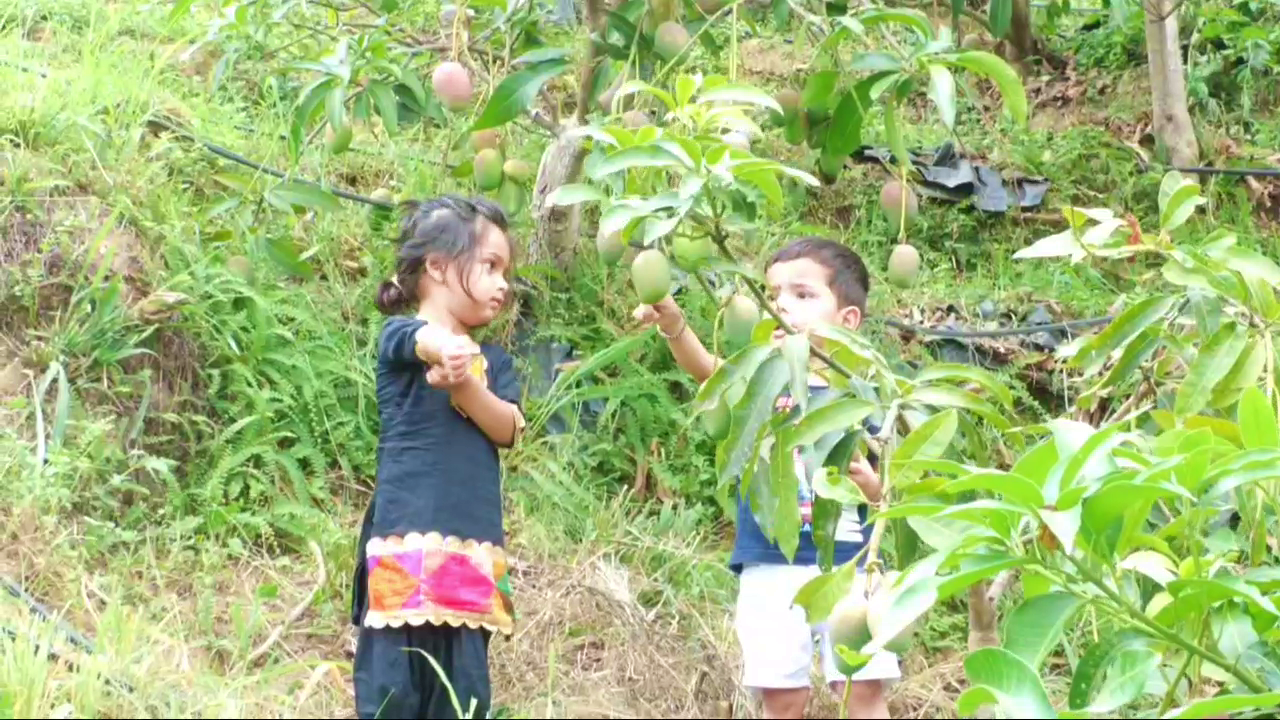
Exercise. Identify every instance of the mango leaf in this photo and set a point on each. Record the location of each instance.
(1093, 353)
(1002, 74)
(1211, 365)
(1091, 461)
(752, 412)
(786, 488)
(975, 568)
(818, 89)
(299, 194)
(1011, 486)
(1130, 669)
(1178, 199)
(910, 602)
(819, 596)
(1152, 564)
(335, 106)
(1222, 588)
(1257, 420)
(384, 99)
(574, 193)
(845, 133)
(795, 349)
(930, 440)
(1224, 705)
(944, 396)
(1062, 244)
(636, 156)
(514, 95)
(1036, 626)
(1233, 630)
(894, 134)
(998, 677)
(282, 252)
(914, 19)
(843, 414)
(1242, 468)
(738, 368)
(740, 94)
(1000, 15)
(1095, 662)
(970, 373)
(942, 91)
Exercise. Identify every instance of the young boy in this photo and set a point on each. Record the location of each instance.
(812, 281)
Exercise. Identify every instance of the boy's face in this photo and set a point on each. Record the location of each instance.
(802, 296)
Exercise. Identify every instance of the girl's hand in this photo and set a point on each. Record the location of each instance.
(866, 478)
(434, 342)
(454, 367)
(665, 314)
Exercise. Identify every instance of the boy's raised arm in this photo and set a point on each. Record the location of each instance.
(688, 350)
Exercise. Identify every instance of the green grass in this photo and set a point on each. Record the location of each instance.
(187, 457)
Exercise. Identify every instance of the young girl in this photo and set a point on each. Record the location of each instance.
(430, 573)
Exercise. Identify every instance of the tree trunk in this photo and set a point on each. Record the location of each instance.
(1174, 133)
(1022, 43)
(982, 619)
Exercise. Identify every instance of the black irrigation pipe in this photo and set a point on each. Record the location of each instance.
(75, 638)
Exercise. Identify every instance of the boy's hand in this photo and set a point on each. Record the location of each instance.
(866, 478)
(665, 314)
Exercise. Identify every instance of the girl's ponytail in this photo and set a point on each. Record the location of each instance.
(391, 298)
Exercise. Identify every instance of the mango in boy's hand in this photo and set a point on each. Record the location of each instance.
(651, 275)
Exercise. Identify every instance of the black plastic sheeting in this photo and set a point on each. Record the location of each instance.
(947, 175)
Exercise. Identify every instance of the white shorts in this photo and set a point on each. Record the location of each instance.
(776, 639)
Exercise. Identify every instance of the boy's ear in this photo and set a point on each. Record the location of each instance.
(851, 317)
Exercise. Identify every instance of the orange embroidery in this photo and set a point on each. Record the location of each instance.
(390, 585)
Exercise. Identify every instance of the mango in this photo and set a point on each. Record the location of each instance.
(634, 119)
(482, 139)
(717, 419)
(488, 169)
(670, 40)
(849, 627)
(651, 276)
(892, 197)
(338, 140)
(880, 608)
(517, 170)
(452, 84)
(904, 265)
(740, 318)
(690, 253)
(611, 248)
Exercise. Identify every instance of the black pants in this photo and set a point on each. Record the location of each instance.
(393, 679)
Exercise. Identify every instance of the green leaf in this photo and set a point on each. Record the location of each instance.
(1212, 363)
(293, 193)
(910, 602)
(875, 62)
(1130, 669)
(636, 156)
(575, 193)
(634, 86)
(894, 133)
(515, 94)
(1178, 198)
(335, 106)
(1233, 631)
(1004, 76)
(997, 676)
(1093, 353)
(1242, 468)
(818, 89)
(1257, 420)
(844, 414)
(786, 490)
(942, 91)
(384, 99)
(752, 412)
(819, 596)
(975, 568)
(1223, 705)
(914, 19)
(943, 396)
(737, 369)
(1000, 15)
(1222, 588)
(1036, 626)
(1009, 485)
(739, 94)
(795, 349)
(930, 440)
(1154, 565)
(283, 253)
(1093, 665)
(845, 133)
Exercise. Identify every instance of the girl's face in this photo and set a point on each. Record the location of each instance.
(486, 279)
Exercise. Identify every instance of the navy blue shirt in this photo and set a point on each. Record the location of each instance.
(437, 470)
(752, 547)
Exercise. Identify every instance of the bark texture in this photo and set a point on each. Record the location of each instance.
(1170, 117)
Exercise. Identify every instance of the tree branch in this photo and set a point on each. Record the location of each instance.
(595, 24)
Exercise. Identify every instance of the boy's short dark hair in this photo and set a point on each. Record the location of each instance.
(848, 278)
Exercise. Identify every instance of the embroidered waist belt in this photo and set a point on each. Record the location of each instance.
(429, 578)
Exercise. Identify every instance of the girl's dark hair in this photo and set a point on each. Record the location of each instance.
(447, 226)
